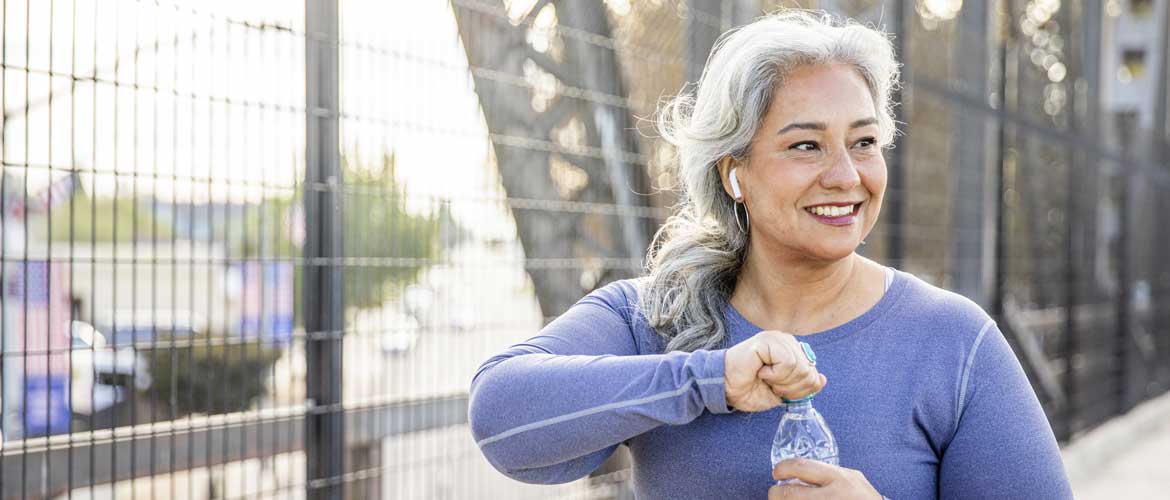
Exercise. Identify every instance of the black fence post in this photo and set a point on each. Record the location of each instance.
(1071, 219)
(1004, 28)
(323, 301)
(1121, 351)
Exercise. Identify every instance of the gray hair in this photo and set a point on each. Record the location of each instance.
(696, 256)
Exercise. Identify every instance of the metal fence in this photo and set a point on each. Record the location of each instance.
(258, 249)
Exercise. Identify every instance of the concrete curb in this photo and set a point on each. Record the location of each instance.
(1090, 452)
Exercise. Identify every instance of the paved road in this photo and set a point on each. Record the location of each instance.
(1141, 472)
(1127, 457)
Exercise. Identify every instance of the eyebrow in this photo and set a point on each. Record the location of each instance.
(822, 126)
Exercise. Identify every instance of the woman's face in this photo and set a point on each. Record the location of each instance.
(815, 175)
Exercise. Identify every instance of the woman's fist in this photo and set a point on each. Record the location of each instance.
(758, 372)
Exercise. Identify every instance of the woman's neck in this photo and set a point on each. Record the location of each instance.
(802, 297)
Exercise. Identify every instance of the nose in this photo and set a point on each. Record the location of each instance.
(841, 173)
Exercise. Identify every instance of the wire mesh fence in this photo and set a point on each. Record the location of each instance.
(258, 249)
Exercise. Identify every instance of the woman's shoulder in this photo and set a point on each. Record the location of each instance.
(619, 295)
(618, 292)
(937, 308)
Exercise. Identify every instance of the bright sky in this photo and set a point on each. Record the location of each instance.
(405, 86)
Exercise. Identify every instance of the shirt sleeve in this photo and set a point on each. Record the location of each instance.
(552, 409)
(1003, 446)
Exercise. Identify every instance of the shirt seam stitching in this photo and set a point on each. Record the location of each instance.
(598, 409)
(964, 381)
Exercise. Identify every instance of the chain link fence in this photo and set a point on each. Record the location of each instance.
(258, 249)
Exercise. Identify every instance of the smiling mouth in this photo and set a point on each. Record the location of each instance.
(836, 215)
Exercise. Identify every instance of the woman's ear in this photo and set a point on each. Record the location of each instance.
(733, 187)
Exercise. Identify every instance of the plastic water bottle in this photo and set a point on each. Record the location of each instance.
(802, 432)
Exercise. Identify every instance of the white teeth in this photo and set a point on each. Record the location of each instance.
(831, 211)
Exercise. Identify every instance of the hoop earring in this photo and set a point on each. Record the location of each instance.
(746, 215)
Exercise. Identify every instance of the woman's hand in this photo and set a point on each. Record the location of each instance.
(828, 481)
(771, 365)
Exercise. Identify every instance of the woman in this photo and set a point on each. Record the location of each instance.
(780, 158)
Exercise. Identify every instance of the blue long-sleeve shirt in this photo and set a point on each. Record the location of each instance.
(924, 397)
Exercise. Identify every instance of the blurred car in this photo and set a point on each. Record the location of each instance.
(107, 366)
(146, 329)
(418, 300)
(435, 311)
(399, 332)
(150, 336)
(396, 331)
(400, 338)
(103, 375)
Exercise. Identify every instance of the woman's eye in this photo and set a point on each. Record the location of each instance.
(804, 146)
(867, 143)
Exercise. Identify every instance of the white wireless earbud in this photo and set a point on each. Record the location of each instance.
(735, 185)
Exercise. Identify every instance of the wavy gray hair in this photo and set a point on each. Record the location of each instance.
(696, 256)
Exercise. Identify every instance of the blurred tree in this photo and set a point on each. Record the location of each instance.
(397, 244)
(390, 243)
(97, 219)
